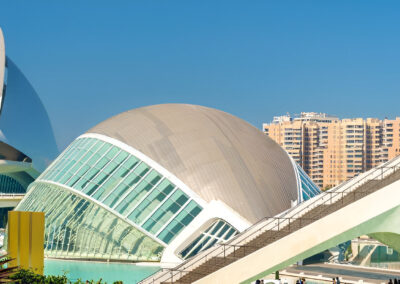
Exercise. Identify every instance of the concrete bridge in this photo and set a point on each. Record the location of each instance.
(368, 204)
(10, 200)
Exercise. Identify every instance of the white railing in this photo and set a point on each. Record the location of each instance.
(12, 195)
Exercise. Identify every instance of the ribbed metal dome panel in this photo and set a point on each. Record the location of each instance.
(217, 155)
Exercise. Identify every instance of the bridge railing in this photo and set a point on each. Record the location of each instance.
(279, 223)
(2, 195)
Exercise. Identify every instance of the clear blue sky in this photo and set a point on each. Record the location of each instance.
(89, 60)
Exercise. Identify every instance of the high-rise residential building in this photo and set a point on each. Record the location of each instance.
(332, 150)
(391, 138)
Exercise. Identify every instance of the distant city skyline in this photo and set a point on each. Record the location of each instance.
(298, 116)
(91, 60)
(332, 150)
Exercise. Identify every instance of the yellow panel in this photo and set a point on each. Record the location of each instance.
(24, 240)
(37, 249)
(13, 225)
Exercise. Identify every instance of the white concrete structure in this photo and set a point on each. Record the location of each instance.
(10, 200)
(168, 180)
(332, 230)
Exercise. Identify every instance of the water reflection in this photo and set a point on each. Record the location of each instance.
(90, 270)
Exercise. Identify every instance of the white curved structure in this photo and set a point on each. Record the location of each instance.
(24, 123)
(27, 143)
(168, 181)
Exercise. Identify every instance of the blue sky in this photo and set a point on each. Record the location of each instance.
(89, 60)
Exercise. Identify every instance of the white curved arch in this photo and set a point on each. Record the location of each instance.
(150, 162)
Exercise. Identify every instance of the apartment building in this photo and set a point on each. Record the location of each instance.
(391, 138)
(332, 150)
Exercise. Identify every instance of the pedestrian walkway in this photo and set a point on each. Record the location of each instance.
(347, 272)
(293, 237)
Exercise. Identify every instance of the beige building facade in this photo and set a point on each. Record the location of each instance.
(333, 150)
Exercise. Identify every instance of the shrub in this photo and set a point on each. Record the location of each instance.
(5, 270)
(24, 276)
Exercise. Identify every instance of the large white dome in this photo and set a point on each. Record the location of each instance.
(163, 183)
(217, 155)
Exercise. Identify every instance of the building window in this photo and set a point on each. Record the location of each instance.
(219, 231)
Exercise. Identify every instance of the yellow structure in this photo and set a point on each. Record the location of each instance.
(333, 150)
(26, 240)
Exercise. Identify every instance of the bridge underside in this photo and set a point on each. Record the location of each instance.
(388, 238)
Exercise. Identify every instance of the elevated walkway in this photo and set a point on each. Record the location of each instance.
(368, 203)
(22, 173)
(347, 273)
(10, 200)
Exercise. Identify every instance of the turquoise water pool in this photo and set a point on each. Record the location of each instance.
(89, 270)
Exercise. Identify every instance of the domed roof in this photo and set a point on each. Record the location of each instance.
(217, 155)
